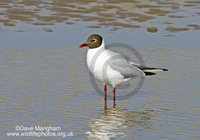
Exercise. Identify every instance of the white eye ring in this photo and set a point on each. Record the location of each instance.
(94, 40)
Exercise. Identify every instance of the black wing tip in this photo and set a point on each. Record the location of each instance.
(149, 73)
(165, 69)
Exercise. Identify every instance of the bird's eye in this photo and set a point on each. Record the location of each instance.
(94, 40)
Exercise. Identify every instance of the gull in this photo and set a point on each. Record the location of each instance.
(112, 68)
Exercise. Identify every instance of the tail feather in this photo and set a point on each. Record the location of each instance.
(149, 70)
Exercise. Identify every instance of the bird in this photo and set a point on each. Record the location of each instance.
(112, 68)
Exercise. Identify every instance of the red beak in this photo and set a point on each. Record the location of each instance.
(83, 45)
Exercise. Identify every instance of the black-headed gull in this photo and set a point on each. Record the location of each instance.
(118, 70)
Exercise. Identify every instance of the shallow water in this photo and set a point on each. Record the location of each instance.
(45, 82)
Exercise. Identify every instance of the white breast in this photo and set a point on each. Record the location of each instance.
(97, 62)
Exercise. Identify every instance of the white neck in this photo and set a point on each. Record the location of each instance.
(93, 53)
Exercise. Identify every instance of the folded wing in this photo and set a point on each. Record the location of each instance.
(125, 68)
(148, 70)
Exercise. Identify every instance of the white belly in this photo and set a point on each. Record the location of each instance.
(98, 65)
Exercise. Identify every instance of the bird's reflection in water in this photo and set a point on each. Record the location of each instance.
(114, 123)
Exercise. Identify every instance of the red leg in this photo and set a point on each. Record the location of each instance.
(105, 106)
(114, 93)
(105, 90)
(114, 97)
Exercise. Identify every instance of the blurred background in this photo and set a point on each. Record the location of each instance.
(44, 79)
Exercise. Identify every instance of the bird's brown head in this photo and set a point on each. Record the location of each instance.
(93, 41)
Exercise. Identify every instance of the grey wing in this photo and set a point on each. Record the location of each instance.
(125, 68)
(148, 70)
